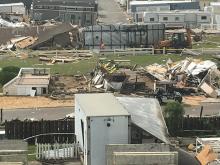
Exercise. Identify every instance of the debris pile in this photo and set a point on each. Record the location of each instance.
(189, 73)
(64, 87)
(111, 76)
(62, 56)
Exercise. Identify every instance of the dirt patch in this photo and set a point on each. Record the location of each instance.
(9, 102)
(193, 100)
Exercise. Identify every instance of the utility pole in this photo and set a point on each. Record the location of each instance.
(1, 115)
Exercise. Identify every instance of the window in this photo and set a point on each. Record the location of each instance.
(44, 90)
(204, 17)
(165, 18)
(151, 19)
(177, 18)
(140, 20)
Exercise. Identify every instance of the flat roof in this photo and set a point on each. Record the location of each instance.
(34, 80)
(179, 12)
(156, 2)
(100, 104)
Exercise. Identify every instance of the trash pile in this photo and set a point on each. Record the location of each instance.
(189, 73)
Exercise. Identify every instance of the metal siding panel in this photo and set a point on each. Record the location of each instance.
(101, 135)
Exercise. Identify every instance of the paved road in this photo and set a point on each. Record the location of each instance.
(38, 114)
(110, 12)
(209, 109)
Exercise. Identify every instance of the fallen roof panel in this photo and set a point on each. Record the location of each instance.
(146, 113)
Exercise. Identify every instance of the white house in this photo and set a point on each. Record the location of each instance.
(99, 120)
(29, 81)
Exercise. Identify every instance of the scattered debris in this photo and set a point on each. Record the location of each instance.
(189, 75)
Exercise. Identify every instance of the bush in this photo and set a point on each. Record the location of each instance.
(8, 73)
(174, 113)
(12, 69)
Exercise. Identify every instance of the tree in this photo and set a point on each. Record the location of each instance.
(174, 113)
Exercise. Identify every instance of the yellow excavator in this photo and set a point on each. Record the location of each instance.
(180, 40)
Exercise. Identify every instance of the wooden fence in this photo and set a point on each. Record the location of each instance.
(17, 129)
(195, 126)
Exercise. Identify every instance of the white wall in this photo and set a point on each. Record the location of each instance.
(24, 90)
(79, 115)
(101, 135)
(184, 18)
(200, 20)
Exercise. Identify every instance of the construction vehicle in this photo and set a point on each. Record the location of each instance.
(178, 40)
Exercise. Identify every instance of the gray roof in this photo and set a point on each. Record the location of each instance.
(65, 2)
(146, 113)
(100, 104)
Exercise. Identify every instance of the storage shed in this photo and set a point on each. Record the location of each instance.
(99, 120)
(29, 81)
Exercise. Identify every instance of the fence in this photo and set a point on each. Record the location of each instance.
(210, 27)
(57, 151)
(17, 129)
(194, 126)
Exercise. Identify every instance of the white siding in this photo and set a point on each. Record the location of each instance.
(203, 18)
(23, 91)
(79, 115)
(101, 135)
(179, 18)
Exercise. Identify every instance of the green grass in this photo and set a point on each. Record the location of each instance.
(31, 152)
(210, 41)
(63, 69)
(85, 66)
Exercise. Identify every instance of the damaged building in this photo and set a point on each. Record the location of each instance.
(188, 75)
(80, 12)
(108, 76)
(29, 82)
(58, 37)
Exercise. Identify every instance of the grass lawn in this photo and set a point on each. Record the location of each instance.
(211, 41)
(86, 66)
(31, 152)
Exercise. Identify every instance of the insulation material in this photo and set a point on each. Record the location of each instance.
(208, 89)
(207, 155)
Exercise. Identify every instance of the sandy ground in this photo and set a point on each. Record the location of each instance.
(193, 100)
(9, 102)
